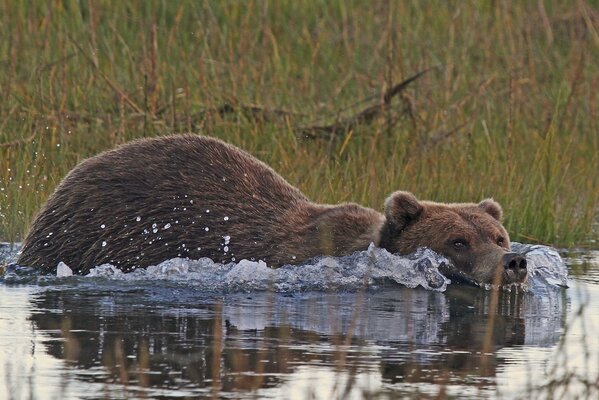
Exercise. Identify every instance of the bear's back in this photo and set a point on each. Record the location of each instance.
(178, 163)
(132, 206)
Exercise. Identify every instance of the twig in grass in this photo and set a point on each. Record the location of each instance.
(365, 116)
(252, 111)
(110, 83)
(256, 111)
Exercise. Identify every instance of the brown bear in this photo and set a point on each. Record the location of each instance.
(194, 196)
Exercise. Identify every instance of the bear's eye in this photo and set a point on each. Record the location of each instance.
(460, 244)
(500, 241)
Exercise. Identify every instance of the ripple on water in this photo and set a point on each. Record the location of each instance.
(584, 265)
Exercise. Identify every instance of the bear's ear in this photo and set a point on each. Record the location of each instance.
(401, 208)
(493, 208)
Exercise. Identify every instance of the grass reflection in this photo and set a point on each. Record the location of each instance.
(371, 343)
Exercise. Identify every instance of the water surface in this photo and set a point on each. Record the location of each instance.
(168, 335)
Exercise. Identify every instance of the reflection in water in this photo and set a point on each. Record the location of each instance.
(157, 339)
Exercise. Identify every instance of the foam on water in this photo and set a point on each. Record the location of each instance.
(546, 268)
(372, 268)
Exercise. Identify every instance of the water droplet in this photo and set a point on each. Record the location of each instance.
(102, 226)
(138, 219)
(227, 239)
(167, 226)
(206, 229)
(207, 211)
(226, 218)
(226, 248)
(104, 244)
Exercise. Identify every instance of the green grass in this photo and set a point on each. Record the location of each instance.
(520, 81)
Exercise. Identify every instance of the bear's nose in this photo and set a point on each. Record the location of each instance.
(515, 267)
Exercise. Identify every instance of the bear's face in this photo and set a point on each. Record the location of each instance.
(470, 235)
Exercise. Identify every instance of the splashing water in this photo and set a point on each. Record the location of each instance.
(545, 266)
(373, 268)
(9, 252)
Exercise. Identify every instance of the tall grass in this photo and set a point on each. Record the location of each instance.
(511, 113)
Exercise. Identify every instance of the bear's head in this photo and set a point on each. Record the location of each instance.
(470, 235)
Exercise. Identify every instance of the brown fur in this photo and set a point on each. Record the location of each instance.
(470, 235)
(152, 200)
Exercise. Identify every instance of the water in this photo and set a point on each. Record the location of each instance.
(371, 324)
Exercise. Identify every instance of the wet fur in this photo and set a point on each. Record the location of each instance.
(175, 180)
(177, 186)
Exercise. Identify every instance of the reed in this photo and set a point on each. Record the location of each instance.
(510, 112)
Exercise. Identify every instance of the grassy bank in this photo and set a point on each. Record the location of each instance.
(509, 111)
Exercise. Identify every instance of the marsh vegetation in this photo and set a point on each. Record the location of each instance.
(507, 109)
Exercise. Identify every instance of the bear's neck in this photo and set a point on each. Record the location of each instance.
(341, 229)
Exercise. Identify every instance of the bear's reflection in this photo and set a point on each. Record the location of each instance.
(173, 337)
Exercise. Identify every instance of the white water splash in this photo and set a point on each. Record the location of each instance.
(63, 270)
(545, 265)
(372, 268)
